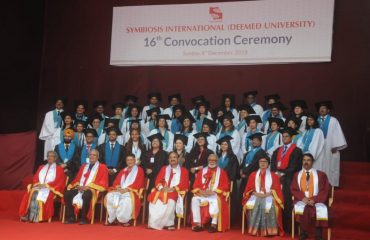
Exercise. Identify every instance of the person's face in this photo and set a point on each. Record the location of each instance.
(243, 114)
(298, 110)
(51, 158)
(274, 111)
(153, 100)
(287, 138)
(186, 123)
(224, 146)
(112, 136)
(154, 115)
(202, 109)
(291, 124)
(179, 145)
(79, 128)
(252, 124)
(156, 143)
(310, 121)
(173, 159)
(59, 104)
(89, 138)
(134, 125)
(263, 163)
(130, 161)
(256, 142)
(118, 111)
(206, 128)
(201, 141)
(323, 110)
(99, 109)
(68, 120)
(174, 101)
(134, 112)
(162, 123)
(227, 123)
(212, 162)
(135, 135)
(178, 113)
(93, 157)
(271, 101)
(250, 99)
(110, 125)
(80, 109)
(307, 162)
(96, 123)
(227, 102)
(67, 139)
(274, 126)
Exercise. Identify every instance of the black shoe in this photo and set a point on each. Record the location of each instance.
(212, 229)
(318, 235)
(82, 222)
(303, 236)
(70, 221)
(197, 228)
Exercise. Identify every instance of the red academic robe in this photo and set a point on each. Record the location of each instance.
(309, 213)
(56, 189)
(135, 188)
(181, 188)
(276, 194)
(98, 184)
(223, 191)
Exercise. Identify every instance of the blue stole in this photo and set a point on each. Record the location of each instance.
(83, 118)
(266, 116)
(151, 125)
(64, 155)
(270, 139)
(195, 112)
(76, 141)
(57, 119)
(223, 161)
(175, 125)
(324, 125)
(307, 139)
(166, 138)
(225, 133)
(250, 155)
(296, 137)
(199, 123)
(85, 154)
(101, 125)
(219, 126)
(241, 124)
(111, 158)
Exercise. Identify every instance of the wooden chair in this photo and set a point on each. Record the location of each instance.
(144, 200)
(231, 191)
(244, 218)
(330, 202)
(184, 217)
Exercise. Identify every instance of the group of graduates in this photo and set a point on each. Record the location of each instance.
(205, 158)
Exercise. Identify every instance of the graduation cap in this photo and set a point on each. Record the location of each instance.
(255, 117)
(219, 109)
(60, 98)
(81, 102)
(133, 106)
(118, 105)
(181, 137)
(177, 96)
(92, 131)
(288, 130)
(209, 123)
(83, 123)
(278, 121)
(206, 104)
(67, 113)
(201, 134)
(113, 129)
(253, 93)
(131, 98)
(113, 121)
(198, 99)
(151, 111)
(276, 97)
(246, 107)
(229, 96)
(256, 135)
(298, 103)
(227, 115)
(179, 107)
(95, 116)
(226, 138)
(186, 115)
(155, 136)
(327, 104)
(156, 95)
(135, 121)
(99, 103)
(163, 116)
(297, 121)
(312, 115)
(277, 105)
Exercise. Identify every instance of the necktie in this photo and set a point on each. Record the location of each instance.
(112, 146)
(58, 113)
(284, 150)
(67, 147)
(307, 176)
(88, 148)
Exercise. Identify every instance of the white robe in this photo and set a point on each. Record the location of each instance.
(316, 146)
(212, 145)
(258, 109)
(277, 143)
(169, 147)
(48, 131)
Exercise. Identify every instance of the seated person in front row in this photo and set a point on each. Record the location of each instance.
(264, 200)
(211, 188)
(123, 198)
(38, 203)
(167, 197)
(81, 194)
(310, 188)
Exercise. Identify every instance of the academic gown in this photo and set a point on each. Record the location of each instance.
(314, 146)
(235, 142)
(195, 159)
(50, 125)
(167, 143)
(160, 160)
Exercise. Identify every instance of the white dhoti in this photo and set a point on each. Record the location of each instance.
(213, 208)
(119, 206)
(162, 215)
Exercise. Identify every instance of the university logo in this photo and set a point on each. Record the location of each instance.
(215, 13)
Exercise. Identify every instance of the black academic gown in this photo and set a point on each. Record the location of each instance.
(121, 163)
(294, 165)
(160, 160)
(73, 163)
(194, 160)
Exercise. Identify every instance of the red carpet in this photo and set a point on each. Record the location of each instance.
(351, 217)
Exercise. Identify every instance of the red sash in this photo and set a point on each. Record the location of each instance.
(282, 162)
